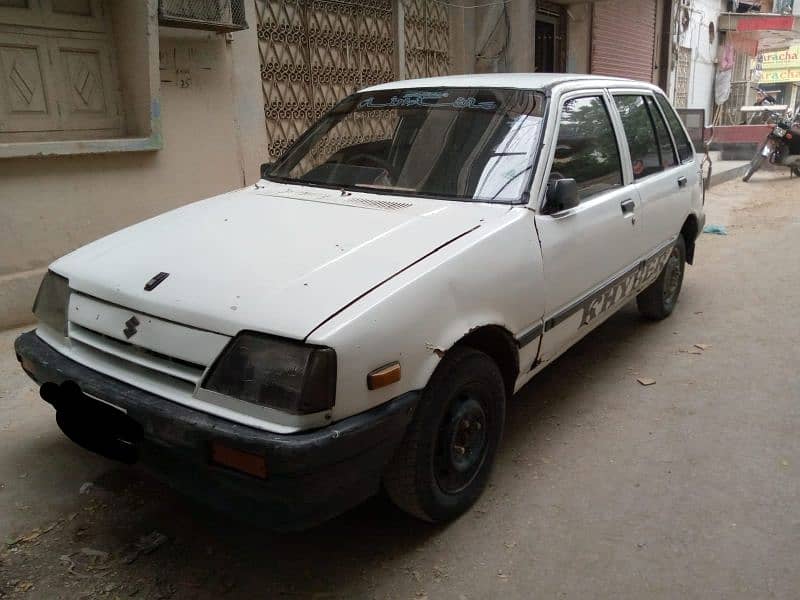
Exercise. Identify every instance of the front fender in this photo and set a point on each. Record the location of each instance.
(492, 276)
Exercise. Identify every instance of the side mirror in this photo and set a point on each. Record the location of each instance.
(265, 169)
(562, 194)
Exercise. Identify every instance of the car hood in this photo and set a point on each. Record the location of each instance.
(275, 258)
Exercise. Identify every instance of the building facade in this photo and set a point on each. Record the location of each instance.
(112, 111)
(694, 48)
(779, 74)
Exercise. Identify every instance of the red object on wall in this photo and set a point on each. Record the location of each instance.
(744, 42)
(624, 38)
(776, 23)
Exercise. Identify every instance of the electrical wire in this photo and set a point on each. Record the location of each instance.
(500, 53)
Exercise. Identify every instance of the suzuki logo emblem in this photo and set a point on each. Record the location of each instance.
(130, 327)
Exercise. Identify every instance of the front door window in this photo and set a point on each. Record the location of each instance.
(586, 148)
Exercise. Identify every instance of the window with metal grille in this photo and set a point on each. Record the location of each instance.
(216, 15)
(682, 70)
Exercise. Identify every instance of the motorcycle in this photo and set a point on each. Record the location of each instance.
(765, 99)
(782, 146)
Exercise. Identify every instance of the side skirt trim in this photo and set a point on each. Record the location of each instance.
(609, 294)
(529, 335)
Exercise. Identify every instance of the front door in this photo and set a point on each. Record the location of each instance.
(590, 252)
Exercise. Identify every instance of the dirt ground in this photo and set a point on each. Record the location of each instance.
(604, 488)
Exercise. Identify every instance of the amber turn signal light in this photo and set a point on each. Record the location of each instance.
(244, 462)
(384, 376)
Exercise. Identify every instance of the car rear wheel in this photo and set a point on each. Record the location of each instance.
(444, 461)
(658, 300)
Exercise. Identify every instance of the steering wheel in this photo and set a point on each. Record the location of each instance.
(369, 158)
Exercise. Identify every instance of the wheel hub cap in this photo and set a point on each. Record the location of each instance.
(461, 445)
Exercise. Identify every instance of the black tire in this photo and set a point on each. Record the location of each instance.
(755, 164)
(658, 300)
(443, 464)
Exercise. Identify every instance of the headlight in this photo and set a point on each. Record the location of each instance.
(50, 306)
(275, 372)
(779, 131)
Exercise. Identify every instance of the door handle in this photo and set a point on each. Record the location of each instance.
(627, 206)
(682, 181)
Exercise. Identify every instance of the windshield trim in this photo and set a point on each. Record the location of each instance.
(531, 166)
(384, 192)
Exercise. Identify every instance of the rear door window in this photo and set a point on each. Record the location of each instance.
(641, 134)
(685, 151)
(586, 149)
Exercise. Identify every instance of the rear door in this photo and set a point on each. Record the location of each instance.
(686, 152)
(663, 182)
(590, 251)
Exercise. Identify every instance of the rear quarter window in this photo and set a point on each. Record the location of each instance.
(685, 150)
(668, 157)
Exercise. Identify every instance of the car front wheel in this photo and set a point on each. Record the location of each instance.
(444, 461)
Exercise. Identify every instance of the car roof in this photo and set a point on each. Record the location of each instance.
(533, 81)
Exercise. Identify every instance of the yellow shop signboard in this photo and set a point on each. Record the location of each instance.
(780, 75)
(785, 59)
(780, 67)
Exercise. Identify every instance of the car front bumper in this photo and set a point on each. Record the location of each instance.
(310, 476)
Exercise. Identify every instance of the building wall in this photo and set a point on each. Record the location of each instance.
(579, 36)
(499, 37)
(213, 139)
(204, 113)
(704, 53)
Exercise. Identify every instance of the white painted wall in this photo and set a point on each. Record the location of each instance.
(704, 53)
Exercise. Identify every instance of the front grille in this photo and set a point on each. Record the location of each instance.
(146, 351)
(148, 359)
(154, 354)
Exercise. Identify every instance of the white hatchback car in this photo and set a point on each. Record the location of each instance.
(362, 314)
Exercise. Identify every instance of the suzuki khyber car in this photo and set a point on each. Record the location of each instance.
(360, 317)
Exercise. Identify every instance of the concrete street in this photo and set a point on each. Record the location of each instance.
(604, 488)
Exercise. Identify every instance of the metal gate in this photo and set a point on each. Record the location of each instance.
(315, 52)
(624, 38)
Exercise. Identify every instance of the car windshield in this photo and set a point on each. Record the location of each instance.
(472, 144)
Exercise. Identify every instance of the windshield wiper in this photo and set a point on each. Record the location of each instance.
(510, 179)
